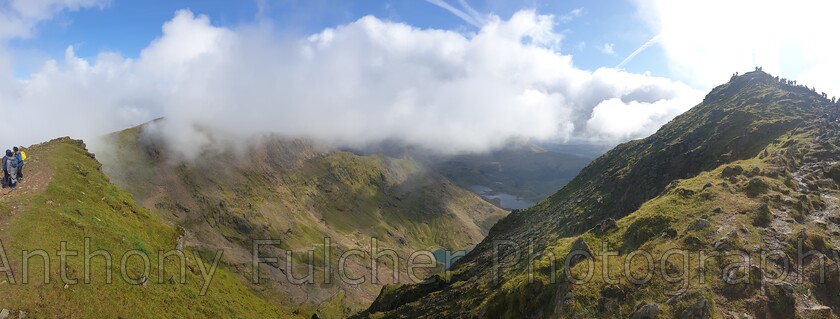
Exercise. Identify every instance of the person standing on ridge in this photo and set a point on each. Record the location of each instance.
(20, 156)
(10, 165)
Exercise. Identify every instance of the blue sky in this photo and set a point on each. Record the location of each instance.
(129, 26)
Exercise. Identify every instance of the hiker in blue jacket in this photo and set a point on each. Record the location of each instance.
(10, 166)
(19, 159)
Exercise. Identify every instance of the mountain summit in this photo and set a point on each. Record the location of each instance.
(749, 170)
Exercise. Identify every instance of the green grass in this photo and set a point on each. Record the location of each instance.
(80, 202)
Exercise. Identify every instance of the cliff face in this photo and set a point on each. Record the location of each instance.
(727, 173)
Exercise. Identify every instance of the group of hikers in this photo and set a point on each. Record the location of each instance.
(13, 164)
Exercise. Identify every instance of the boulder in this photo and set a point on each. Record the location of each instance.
(781, 300)
(700, 224)
(4, 313)
(756, 186)
(607, 305)
(731, 171)
(607, 224)
(697, 310)
(693, 242)
(179, 243)
(579, 250)
(723, 242)
(646, 311)
(817, 312)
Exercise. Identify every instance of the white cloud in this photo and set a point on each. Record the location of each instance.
(607, 48)
(363, 82)
(707, 41)
(574, 14)
(18, 18)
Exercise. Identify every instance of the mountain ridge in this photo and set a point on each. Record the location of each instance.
(737, 122)
(300, 193)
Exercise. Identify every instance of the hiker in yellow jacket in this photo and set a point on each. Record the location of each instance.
(20, 155)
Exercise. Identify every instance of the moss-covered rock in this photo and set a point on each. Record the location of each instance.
(756, 186)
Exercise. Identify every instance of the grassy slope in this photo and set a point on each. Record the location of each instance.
(735, 124)
(295, 192)
(80, 202)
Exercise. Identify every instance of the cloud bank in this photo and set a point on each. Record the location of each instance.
(706, 41)
(356, 84)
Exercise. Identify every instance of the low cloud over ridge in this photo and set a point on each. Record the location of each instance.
(356, 84)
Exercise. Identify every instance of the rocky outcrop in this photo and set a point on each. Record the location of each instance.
(697, 310)
(781, 301)
(646, 311)
(606, 225)
(580, 251)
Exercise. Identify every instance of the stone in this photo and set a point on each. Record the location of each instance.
(674, 299)
(4, 313)
(684, 192)
(646, 311)
(723, 242)
(708, 185)
(669, 233)
(580, 251)
(697, 310)
(781, 300)
(607, 305)
(179, 244)
(819, 311)
(21, 314)
(607, 224)
(756, 186)
(700, 224)
(731, 171)
(693, 241)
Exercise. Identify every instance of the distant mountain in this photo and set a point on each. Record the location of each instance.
(527, 172)
(751, 169)
(515, 176)
(298, 192)
(590, 151)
